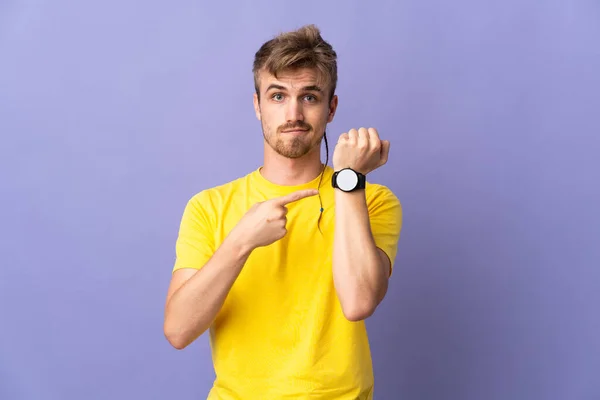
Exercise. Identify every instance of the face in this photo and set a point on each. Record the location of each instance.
(294, 111)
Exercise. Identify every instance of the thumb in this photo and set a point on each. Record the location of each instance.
(385, 151)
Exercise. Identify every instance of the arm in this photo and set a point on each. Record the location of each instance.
(360, 269)
(363, 230)
(204, 275)
(195, 296)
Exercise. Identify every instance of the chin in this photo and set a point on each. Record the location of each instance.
(290, 149)
(290, 153)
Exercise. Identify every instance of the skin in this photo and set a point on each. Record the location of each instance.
(285, 104)
(360, 269)
(294, 113)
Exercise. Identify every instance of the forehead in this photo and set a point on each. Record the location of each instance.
(291, 79)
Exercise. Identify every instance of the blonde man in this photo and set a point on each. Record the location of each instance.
(283, 265)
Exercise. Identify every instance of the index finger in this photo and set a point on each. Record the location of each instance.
(295, 196)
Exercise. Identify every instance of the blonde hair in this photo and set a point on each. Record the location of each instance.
(302, 48)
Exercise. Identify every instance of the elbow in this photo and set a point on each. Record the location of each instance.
(358, 310)
(175, 340)
(177, 343)
(176, 337)
(360, 303)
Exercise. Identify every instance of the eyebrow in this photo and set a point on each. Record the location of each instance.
(311, 88)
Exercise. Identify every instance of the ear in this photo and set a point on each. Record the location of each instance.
(332, 108)
(257, 106)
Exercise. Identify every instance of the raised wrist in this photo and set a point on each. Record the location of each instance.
(337, 168)
(358, 194)
(348, 180)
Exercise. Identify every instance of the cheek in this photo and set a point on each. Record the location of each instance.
(319, 118)
(270, 116)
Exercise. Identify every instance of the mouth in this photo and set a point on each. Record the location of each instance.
(295, 131)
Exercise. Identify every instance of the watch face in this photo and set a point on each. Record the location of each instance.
(347, 179)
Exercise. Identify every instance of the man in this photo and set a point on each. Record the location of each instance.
(283, 265)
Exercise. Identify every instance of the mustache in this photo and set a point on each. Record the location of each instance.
(295, 125)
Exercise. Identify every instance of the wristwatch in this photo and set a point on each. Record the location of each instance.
(348, 180)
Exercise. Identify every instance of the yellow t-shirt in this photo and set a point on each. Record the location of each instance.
(281, 333)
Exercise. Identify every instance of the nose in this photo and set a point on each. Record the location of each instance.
(294, 111)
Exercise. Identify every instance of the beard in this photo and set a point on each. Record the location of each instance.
(292, 146)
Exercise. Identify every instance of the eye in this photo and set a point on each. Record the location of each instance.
(310, 98)
(277, 97)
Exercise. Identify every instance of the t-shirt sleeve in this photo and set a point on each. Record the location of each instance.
(385, 214)
(195, 243)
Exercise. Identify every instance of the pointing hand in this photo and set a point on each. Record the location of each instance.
(265, 222)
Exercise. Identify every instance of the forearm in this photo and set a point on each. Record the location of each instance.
(359, 277)
(193, 307)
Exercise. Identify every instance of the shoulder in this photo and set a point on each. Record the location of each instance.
(206, 207)
(380, 194)
(385, 211)
(222, 190)
(215, 197)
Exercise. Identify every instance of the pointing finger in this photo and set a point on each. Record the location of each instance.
(295, 196)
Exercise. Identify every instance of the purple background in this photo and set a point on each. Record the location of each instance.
(114, 113)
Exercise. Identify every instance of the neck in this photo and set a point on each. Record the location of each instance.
(285, 171)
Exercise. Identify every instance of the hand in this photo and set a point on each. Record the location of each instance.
(265, 222)
(360, 150)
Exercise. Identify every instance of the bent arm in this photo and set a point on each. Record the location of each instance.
(361, 269)
(196, 296)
